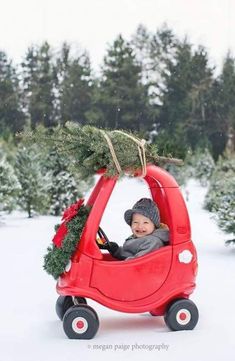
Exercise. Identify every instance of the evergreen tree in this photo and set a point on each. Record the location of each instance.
(11, 115)
(222, 107)
(96, 115)
(200, 165)
(141, 44)
(199, 122)
(154, 51)
(175, 107)
(75, 86)
(39, 86)
(220, 198)
(182, 118)
(123, 99)
(33, 195)
(227, 93)
(63, 189)
(9, 185)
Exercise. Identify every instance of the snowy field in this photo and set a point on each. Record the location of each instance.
(30, 330)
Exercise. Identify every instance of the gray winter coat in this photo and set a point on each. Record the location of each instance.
(138, 246)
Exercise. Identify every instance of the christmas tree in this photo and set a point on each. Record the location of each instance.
(220, 198)
(89, 149)
(200, 165)
(63, 188)
(33, 183)
(9, 185)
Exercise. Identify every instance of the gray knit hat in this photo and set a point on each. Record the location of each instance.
(147, 208)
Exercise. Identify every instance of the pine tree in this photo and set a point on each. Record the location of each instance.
(220, 198)
(38, 86)
(199, 121)
(175, 107)
(154, 51)
(200, 165)
(182, 118)
(33, 195)
(9, 185)
(11, 116)
(75, 86)
(63, 189)
(123, 98)
(141, 44)
(227, 93)
(222, 107)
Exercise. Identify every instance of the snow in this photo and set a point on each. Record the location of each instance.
(30, 329)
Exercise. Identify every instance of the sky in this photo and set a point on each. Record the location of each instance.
(94, 24)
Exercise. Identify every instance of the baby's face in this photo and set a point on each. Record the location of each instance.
(141, 226)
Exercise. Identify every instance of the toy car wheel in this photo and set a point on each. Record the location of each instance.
(182, 314)
(80, 322)
(63, 303)
(80, 300)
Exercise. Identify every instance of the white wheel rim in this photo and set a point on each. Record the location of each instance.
(183, 316)
(79, 325)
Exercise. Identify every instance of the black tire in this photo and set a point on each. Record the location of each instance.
(80, 322)
(182, 314)
(80, 300)
(63, 303)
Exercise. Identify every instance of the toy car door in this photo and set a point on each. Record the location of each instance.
(133, 279)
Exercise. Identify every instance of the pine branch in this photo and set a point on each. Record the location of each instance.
(169, 160)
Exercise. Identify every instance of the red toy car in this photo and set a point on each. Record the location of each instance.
(159, 282)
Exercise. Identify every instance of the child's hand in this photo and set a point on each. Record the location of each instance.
(112, 247)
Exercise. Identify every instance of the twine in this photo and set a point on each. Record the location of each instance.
(141, 150)
(112, 151)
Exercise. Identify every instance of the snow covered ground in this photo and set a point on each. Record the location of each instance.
(30, 330)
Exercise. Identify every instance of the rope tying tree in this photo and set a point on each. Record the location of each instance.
(141, 150)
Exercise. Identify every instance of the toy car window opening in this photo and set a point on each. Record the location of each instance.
(164, 191)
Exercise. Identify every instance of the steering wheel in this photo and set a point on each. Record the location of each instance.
(102, 235)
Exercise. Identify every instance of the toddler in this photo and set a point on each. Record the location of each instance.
(148, 234)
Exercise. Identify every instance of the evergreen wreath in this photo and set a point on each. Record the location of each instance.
(59, 254)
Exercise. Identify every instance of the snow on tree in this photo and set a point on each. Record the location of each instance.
(63, 192)
(63, 189)
(200, 165)
(33, 195)
(220, 198)
(179, 173)
(9, 185)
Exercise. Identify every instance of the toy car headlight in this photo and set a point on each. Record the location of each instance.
(185, 256)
